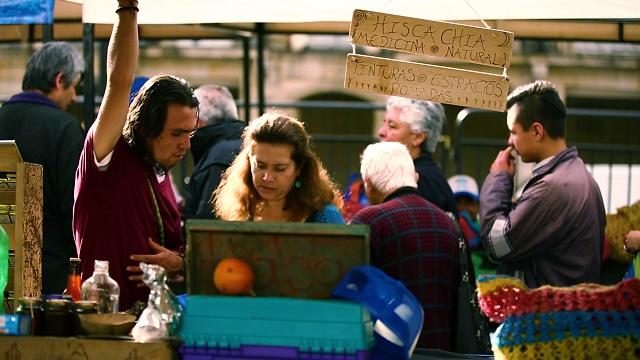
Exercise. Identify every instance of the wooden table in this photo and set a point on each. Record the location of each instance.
(73, 348)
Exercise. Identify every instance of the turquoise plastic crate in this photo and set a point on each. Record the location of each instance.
(315, 326)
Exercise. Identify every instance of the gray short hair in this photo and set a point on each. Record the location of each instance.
(388, 166)
(422, 117)
(216, 104)
(50, 60)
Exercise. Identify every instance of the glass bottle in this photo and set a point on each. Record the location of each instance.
(74, 280)
(101, 288)
(4, 269)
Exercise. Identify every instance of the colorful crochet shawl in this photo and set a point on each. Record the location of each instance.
(586, 321)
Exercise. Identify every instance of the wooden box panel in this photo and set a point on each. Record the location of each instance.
(46, 347)
(29, 203)
(25, 234)
(300, 260)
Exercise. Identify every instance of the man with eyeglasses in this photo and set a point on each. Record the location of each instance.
(47, 134)
(554, 233)
(125, 210)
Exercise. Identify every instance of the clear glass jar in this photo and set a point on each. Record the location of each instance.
(101, 288)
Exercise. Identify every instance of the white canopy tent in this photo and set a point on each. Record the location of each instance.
(590, 20)
(612, 20)
(238, 11)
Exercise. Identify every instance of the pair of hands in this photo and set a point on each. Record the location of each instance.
(632, 241)
(504, 162)
(164, 257)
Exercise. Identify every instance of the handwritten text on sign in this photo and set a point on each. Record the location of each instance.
(426, 82)
(436, 38)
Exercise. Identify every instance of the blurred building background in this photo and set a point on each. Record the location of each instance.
(304, 74)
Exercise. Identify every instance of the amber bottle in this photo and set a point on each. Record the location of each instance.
(74, 280)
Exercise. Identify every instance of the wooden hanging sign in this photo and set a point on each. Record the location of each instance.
(435, 38)
(426, 82)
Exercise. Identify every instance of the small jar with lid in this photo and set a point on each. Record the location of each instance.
(83, 307)
(32, 307)
(58, 317)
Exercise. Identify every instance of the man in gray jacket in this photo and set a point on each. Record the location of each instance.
(554, 233)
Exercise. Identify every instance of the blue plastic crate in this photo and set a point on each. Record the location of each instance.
(312, 327)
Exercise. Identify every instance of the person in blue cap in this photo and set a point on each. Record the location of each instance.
(465, 191)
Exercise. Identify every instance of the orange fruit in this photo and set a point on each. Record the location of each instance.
(233, 276)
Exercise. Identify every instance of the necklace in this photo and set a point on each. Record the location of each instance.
(157, 211)
(159, 170)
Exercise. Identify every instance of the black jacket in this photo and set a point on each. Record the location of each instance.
(432, 185)
(49, 136)
(213, 147)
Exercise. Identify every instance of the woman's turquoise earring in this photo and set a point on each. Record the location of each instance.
(297, 184)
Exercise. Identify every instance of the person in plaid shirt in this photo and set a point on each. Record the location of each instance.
(412, 240)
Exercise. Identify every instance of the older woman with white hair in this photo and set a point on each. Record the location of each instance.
(417, 124)
(411, 239)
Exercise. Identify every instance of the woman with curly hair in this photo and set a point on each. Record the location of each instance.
(277, 177)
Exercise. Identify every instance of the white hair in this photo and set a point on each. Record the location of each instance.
(216, 104)
(422, 117)
(388, 166)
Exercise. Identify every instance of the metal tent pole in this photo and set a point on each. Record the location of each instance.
(246, 71)
(89, 91)
(260, 44)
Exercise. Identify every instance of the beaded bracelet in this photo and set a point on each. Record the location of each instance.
(182, 257)
(184, 262)
(130, 7)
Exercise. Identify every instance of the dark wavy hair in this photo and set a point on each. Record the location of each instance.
(237, 199)
(148, 111)
(539, 102)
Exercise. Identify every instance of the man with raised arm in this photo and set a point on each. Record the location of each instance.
(125, 211)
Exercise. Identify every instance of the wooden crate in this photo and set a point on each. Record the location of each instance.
(300, 260)
(25, 234)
